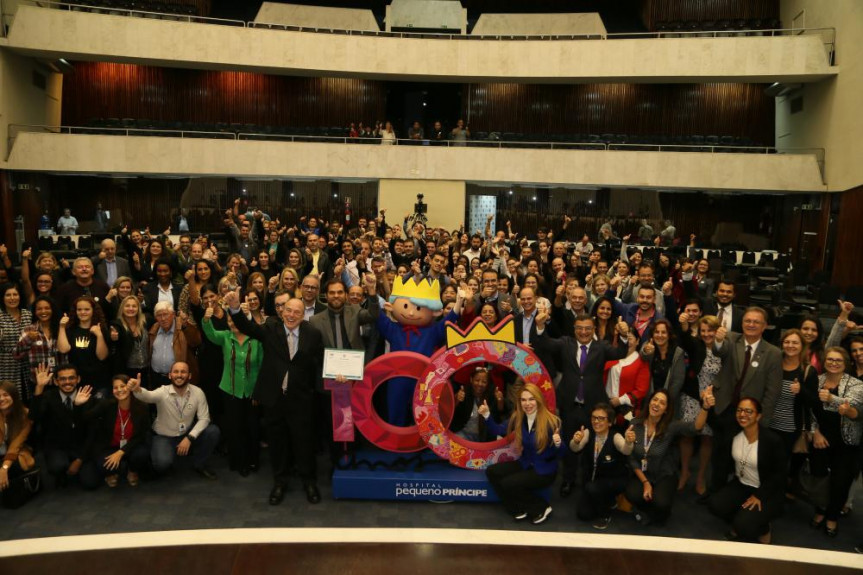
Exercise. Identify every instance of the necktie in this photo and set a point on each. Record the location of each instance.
(721, 316)
(67, 403)
(337, 326)
(579, 396)
(292, 350)
(737, 388)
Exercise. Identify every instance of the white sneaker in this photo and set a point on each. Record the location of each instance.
(520, 516)
(542, 517)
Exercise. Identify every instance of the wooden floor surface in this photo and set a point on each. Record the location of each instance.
(385, 558)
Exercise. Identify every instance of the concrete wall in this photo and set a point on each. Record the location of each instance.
(539, 24)
(21, 102)
(429, 14)
(445, 199)
(831, 117)
(317, 17)
(699, 171)
(86, 36)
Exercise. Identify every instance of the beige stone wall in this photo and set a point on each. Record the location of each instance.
(317, 17)
(539, 24)
(445, 199)
(831, 116)
(81, 35)
(697, 171)
(21, 102)
(429, 14)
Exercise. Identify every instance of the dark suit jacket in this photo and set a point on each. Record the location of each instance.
(58, 425)
(565, 351)
(101, 268)
(100, 419)
(711, 308)
(151, 296)
(543, 354)
(563, 320)
(354, 317)
(763, 379)
(324, 266)
(303, 370)
(772, 465)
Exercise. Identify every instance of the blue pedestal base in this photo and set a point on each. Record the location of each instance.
(425, 478)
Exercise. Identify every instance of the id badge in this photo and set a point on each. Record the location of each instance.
(52, 361)
(644, 465)
(182, 429)
(123, 443)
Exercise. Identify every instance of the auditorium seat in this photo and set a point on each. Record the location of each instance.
(748, 259)
(854, 294)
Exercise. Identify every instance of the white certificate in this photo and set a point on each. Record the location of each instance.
(346, 362)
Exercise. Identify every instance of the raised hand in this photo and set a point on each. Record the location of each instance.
(845, 308)
(795, 386)
(483, 409)
(96, 330)
(541, 318)
(622, 327)
(684, 320)
(232, 299)
(460, 396)
(27, 254)
(648, 348)
(64, 321)
(114, 334)
(824, 395)
(498, 396)
(629, 436)
(844, 409)
(721, 332)
(666, 288)
(134, 384)
(43, 375)
(556, 436)
(273, 283)
(83, 395)
(708, 400)
(208, 313)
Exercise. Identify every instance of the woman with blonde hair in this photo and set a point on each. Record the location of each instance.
(130, 339)
(536, 435)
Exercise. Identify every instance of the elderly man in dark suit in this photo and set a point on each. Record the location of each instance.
(339, 327)
(582, 361)
(108, 266)
(293, 355)
(753, 368)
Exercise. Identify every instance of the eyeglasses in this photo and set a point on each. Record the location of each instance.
(834, 360)
(309, 287)
(745, 410)
(598, 418)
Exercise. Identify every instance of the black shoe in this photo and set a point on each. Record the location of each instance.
(205, 473)
(704, 497)
(566, 488)
(277, 494)
(831, 532)
(312, 494)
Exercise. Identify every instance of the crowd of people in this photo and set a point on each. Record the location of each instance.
(384, 133)
(116, 368)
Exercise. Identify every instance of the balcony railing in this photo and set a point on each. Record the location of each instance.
(828, 34)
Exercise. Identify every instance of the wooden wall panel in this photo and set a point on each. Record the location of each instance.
(653, 11)
(111, 90)
(675, 109)
(847, 270)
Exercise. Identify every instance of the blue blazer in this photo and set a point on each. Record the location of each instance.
(544, 463)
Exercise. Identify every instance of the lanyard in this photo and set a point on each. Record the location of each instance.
(123, 423)
(597, 448)
(182, 410)
(648, 442)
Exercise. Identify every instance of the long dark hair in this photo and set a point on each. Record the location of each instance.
(55, 313)
(136, 406)
(5, 288)
(666, 418)
(17, 418)
(610, 332)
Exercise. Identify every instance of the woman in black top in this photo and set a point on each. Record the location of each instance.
(117, 441)
(83, 341)
(606, 462)
(754, 497)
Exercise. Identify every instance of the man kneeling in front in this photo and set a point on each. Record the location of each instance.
(182, 427)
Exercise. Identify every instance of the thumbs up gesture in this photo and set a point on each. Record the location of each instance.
(579, 435)
(629, 436)
(721, 332)
(622, 327)
(556, 437)
(795, 386)
(483, 410)
(648, 348)
(459, 397)
(845, 408)
(115, 335)
(64, 321)
(708, 400)
(824, 395)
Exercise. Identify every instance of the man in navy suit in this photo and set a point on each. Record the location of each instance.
(526, 328)
(293, 357)
(582, 361)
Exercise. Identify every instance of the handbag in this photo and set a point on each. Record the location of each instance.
(801, 444)
(22, 489)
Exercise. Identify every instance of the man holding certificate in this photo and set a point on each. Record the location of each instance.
(339, 327)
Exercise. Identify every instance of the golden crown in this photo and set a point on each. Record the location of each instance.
(82, 342)
(424, 289)
(478, 331)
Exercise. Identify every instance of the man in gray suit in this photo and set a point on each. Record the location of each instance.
(339, 326)
(108, 266)
(751, 368)
(505, 303)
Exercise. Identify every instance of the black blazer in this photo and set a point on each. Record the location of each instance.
(711, 308)
(59, 428)
(100, 420)
(772, 465)
(151, 296)
(302, 370)
(462, 411)
(565, 351)
(610, 463)
(543, 354)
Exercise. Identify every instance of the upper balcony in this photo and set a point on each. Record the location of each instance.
(60, 30)
(167, 152)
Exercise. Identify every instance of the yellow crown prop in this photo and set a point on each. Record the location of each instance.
(422, 290)
(478, 331)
